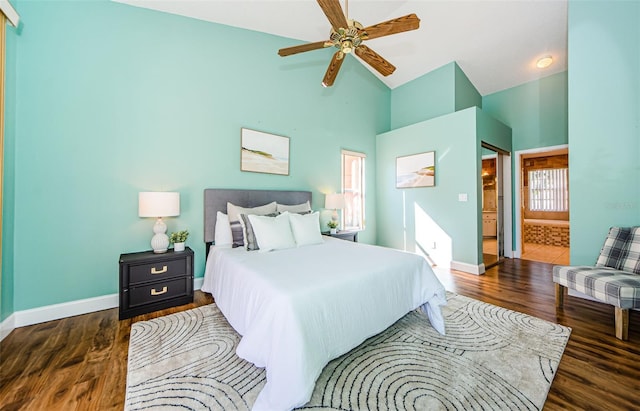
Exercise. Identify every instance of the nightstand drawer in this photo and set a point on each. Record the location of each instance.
(151, 282)
(157, 271)
(165, 290)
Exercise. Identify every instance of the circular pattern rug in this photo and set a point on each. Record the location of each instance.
(491, 358)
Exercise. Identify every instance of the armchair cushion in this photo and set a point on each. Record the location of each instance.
(614, 287)
(621, 250)
(632, 262)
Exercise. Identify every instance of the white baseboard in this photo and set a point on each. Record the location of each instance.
(197, 283)
(69, 309)
(468, 268)
(63, 310)
(516, 254)
(8, 325)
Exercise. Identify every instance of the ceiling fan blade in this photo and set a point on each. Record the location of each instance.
(334, 13)
(404, 23)
(287, 51)
(332, 70)
(375, 60)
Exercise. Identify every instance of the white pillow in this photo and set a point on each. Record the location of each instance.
(223, 230)
(250, 242)
(234, 211)
(272, 233)
(297, 208)
(306, 228)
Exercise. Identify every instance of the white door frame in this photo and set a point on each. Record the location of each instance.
(507, 193)
(517, 189)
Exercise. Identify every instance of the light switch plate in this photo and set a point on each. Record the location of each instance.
(462, 197)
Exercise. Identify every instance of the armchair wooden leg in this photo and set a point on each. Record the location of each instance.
(622, 323)
(560, 292)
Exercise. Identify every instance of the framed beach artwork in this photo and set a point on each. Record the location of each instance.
(264, 152)
(417, 170)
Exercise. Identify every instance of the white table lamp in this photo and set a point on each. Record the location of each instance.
(158, 205)
(334, 202)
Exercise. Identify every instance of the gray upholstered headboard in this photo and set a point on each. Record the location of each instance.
(215, 199)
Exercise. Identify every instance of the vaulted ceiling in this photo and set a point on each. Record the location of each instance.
(496, 43)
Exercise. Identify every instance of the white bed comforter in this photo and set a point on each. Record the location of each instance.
(297, 309)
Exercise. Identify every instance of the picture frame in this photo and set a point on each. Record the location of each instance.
(416, 170)
(262, 152)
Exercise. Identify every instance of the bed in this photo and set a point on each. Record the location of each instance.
(298, 308)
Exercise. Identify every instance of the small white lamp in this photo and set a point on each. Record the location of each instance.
(334, 202)
(159, 204)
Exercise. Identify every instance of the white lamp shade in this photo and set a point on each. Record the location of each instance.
(334, 201)
(158, 204)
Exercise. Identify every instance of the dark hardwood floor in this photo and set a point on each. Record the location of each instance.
(80, 363)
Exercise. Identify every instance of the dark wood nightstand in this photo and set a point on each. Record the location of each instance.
(151, 282)
(344, 235)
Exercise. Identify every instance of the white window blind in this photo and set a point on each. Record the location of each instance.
(353, 184)
(548, 190)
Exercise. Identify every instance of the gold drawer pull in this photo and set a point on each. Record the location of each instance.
(154, 292)
(162, 271)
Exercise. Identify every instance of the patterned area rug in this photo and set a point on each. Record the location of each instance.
(490, 359)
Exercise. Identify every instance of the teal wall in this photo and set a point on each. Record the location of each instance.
(439, 111)
(428, 96)
(113, 100)
(466, 94)
(8, 187)
(412, 219)
(499, 135)
(604, 122)
(492, 131)
(536, 111)
(439, 92)
(537, 114)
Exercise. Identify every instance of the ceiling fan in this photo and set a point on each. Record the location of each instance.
(347, 36)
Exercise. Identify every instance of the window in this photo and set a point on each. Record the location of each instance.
(353, 190)
(548, 190)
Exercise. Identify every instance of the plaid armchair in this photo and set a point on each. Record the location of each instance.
(614, 279)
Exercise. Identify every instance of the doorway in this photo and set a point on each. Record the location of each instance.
(542, 191)
(493, 204)
(491, 252)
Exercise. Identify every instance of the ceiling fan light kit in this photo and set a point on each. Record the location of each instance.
(348, 36)
(348, 39)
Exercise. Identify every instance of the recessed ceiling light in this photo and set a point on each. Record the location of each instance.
(544, 62)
